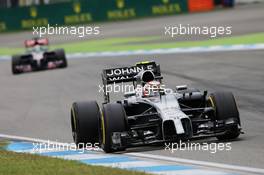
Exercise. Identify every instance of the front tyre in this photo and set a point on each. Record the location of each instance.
(225, 108)
(85, 122)
(15, 63)
(60, 53)
(113, 120)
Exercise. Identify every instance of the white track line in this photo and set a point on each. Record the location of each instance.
(200, 163)
(87, 156)
(190, 172)
(248, 1)
(157, 157)
(37, 140)
(6, 136)
(131, 164)
(217, 48)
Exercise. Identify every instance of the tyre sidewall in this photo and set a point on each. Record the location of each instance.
(114, 120)
(86, 120)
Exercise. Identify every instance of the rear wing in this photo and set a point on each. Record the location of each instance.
(36, 41)
(127, 74)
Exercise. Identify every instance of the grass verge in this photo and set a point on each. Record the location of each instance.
(12, 163)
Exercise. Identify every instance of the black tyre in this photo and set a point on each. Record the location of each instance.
(15, 62)
(61, 56)
(113, 120)
(85, 122)
(225, 108)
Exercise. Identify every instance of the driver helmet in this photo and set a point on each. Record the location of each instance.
(151, 89)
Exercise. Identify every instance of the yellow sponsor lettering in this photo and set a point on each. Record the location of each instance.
(2, 26)
(29, 23)
(166, 9)
(78, 18)
(121, 14)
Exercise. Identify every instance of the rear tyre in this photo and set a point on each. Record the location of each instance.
(15, 62)
(113, 120)
(61, 56)
(225, 109)
(85, 122)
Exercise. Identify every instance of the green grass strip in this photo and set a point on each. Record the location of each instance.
(12, 163)
(146, 43)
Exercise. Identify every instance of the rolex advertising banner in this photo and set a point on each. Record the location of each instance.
(83, 11)
(127, 9)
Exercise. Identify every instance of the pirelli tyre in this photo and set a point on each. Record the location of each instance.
(226, 109)
(60, 53)
(85, 122)
(15, 62)
(113, 119)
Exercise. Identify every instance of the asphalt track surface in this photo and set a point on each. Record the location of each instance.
(38, 104)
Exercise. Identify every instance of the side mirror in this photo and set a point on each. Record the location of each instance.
(129, 94)
(181, 87)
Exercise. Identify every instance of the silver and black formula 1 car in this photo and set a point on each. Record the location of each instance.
(152, 113)
(38, 57)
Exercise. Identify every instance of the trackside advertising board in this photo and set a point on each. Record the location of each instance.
(83, 12)
(200, 5)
